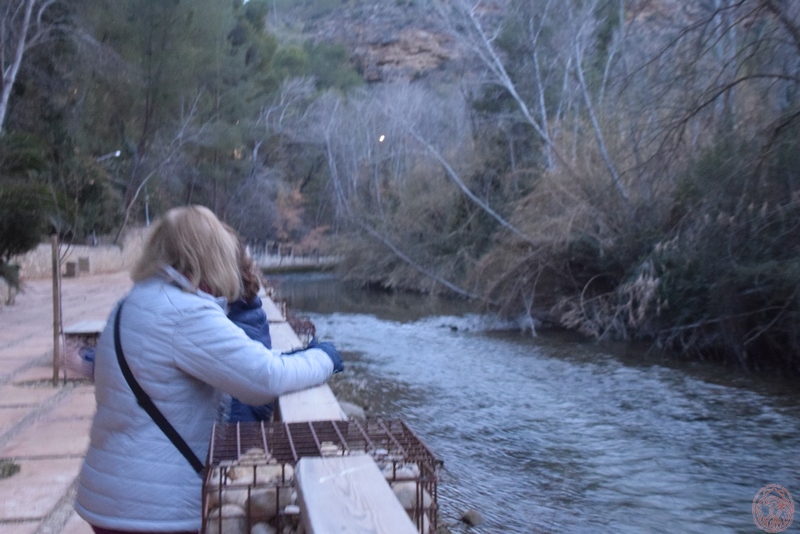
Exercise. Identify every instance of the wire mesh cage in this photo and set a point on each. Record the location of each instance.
(249, 485)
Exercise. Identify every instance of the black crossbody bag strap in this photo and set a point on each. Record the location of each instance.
(147, 403)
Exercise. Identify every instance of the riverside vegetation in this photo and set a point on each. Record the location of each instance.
(624, 168)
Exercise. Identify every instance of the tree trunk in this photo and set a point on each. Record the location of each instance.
(10, 72)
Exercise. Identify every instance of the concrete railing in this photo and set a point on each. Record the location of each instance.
(341, 492)
(276, 262)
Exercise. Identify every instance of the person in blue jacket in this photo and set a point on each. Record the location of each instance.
(182, 351)
(247, 314)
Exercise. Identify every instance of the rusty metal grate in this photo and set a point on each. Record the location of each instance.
(404, 459)
(288, 442)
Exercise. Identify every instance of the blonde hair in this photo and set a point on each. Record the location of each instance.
(196, 244)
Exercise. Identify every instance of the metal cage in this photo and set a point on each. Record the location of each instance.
(250, 475)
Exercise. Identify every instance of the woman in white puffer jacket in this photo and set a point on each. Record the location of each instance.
(183, 351)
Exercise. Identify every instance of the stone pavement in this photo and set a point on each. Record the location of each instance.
(44, 429)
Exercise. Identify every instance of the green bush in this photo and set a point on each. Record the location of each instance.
(733, 288)
(25, 204)
(8, 468)
(24, 210)
(330, 65)
(731, 270)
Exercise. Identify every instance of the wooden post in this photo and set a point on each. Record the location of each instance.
(348, 494)
(56, 310)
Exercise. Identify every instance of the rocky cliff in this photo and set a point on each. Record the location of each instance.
(387, 39)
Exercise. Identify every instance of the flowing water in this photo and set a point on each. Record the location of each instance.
(553, 433)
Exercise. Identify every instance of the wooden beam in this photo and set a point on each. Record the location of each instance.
(56, 308)
(283, 337)
(271, 309)
(348, 494)
(87, 326)
(313, 404)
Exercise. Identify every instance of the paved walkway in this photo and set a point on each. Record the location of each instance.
(45, 429)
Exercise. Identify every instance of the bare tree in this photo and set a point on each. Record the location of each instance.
(186, 133)
(24, 25)
(283, 115)
(377, 167)
(352, 162)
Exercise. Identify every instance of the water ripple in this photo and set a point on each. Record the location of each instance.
(543, 435)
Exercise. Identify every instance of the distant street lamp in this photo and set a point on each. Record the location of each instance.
(104, 157)
(114, 154)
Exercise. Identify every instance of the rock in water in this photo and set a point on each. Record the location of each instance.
(406, 493)
(352, 411)
(472, 518)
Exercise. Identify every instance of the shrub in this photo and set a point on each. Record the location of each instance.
(24, 212)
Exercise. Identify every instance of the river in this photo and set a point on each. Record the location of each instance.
(553, 433)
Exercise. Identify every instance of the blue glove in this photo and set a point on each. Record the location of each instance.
(328, 348)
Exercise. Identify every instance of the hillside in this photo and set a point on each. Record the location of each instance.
(387, 40)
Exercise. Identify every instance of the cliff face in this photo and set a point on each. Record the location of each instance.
(408, 39)
(410, 53)
(387, 39)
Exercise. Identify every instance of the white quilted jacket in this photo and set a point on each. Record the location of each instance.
(183, 351)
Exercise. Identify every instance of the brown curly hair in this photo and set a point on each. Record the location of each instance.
(248, 270)
(251, 277)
